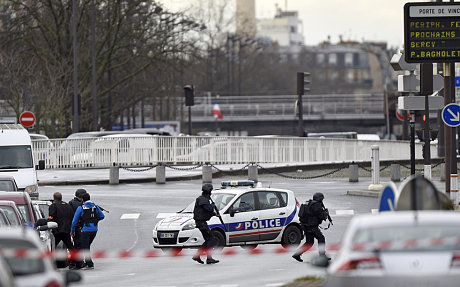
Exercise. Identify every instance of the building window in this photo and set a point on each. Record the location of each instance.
(320, 58)
(350, 78)
(333, 75)
(333, 59)
(348, 59)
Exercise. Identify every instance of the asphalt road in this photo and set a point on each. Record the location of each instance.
(133, 213)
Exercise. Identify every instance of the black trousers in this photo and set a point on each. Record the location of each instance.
(311, 232)
(209, 240)
(65, 238)
(86, 240)
(77, 238)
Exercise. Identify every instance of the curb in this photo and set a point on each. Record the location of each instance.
(366, 193)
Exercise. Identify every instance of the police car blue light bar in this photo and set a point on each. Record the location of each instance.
(238, 183)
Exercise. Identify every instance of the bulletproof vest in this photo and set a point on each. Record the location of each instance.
(199, 213)
(89, 215)
(307, 215)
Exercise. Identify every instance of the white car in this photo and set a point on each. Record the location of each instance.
(30, 271)
(252, 215)
(401, 248)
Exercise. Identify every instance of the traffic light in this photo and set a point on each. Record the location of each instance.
(302, 80)
(189, 91)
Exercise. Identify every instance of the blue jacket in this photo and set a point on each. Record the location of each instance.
(79, 213)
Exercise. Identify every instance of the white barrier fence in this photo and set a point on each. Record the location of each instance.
(151, 150)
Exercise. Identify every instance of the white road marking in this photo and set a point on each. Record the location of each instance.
(130, 216)
(274, 284)
(345, 212)
(164, 215)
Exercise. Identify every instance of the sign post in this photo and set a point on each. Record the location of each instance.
(27, 119)
(431, 31)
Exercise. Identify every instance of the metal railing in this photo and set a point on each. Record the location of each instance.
(148, 151)
(284, 107)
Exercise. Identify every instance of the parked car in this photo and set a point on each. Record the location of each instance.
(12, 212)
(32, 271)
(44, 206)
(8, 183)
(23, 202)
(252, 215)
(6, 277)
(401, 248)
(38, 137)
(46, 236)
(4, 221)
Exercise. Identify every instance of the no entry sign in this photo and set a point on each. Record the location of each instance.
(27, 119)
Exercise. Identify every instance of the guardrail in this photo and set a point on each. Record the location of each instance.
(151, 150)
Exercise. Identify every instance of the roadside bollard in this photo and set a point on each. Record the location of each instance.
(375, 185)
(252, 173)
(353, 169)
(160, 175)
(395, 172)
(207, 173)
(114, 174)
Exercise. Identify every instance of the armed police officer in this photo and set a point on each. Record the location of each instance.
(203, 211)
(89, 214)
(311, 215)
(75, 203)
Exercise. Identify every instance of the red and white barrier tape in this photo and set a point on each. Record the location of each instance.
(227, 251)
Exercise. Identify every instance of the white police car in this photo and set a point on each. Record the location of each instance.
(251, 213)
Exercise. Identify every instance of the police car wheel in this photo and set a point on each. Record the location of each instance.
(291, 236)
(220, 238)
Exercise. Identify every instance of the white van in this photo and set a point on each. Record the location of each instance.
(16, 158)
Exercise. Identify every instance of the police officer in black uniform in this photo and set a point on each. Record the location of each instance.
(203, 211)
(75, 203)
(62, 213)
(311, 215)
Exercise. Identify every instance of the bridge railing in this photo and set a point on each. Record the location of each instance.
(148, 151)
(284, 107)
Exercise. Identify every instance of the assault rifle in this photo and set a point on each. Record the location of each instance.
(327, 212)
(102, 209)
(218, 214)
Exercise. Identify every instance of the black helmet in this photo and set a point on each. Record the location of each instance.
(318, 196)
(207, 187)
(80, 192)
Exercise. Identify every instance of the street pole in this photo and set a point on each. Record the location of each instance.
(93, 60)
(190, 120)
(75, 125)
(449, 134)
(412, 142)
(426, 89)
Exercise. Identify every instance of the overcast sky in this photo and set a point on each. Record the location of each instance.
(370, 20)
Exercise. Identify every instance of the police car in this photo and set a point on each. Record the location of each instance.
(251, 215)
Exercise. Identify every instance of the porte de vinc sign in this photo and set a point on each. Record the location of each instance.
(432, 32)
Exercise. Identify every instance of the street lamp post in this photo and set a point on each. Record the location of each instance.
(93, 60)
(75, 125)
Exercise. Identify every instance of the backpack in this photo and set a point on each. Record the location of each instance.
(305, 215)
(89, 215)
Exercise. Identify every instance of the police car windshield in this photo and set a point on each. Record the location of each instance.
(220, 199)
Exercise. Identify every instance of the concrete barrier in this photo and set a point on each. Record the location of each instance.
(252, 173)
(395, 172)
(160, 174)
(207, 173)
(354, 173)
(114, 175)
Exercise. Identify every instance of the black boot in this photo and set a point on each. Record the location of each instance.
(211, 261)
(198, 259)
(297, 257)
